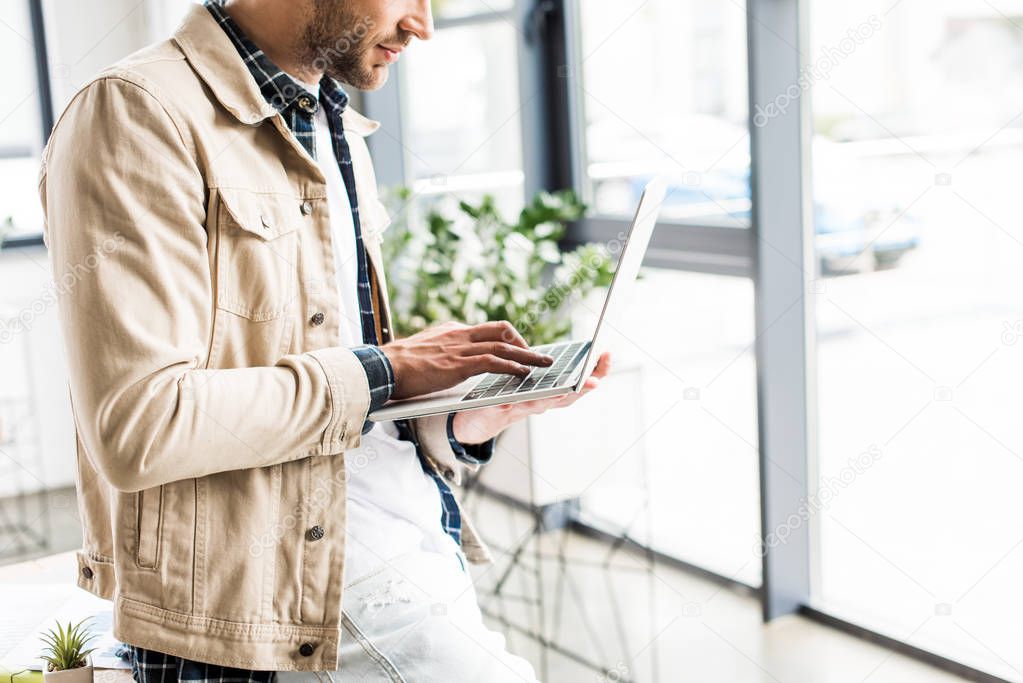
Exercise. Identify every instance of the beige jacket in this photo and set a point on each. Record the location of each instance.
(189, 235)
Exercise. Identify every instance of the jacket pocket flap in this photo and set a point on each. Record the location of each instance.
(264, 215)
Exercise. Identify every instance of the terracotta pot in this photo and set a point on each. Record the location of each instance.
(82, 674)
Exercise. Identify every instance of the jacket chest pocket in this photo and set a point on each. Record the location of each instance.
(257, 253)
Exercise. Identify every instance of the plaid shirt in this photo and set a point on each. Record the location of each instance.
(298, 108)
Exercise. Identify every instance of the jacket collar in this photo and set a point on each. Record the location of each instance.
(214, 58)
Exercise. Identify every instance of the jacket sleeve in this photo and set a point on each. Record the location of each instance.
(125, 211)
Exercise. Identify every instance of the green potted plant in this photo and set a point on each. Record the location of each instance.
(464, 261)
(473, 265)
(66, 655)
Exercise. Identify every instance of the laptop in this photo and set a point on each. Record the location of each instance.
(573, 360)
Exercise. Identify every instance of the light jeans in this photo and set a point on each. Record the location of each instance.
(417, 619)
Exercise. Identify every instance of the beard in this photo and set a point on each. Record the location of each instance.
(338, 43)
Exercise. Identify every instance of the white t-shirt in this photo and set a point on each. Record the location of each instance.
(394, 507)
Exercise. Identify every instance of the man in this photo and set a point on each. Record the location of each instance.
(213, 201)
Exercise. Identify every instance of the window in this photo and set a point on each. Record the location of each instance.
(464, 133)
(451, 9)
(79, 40)
(21, 125)
(452, 112)
(918, 141)
(85, 38)
(663, 90)
(681, 447)
(660, 87)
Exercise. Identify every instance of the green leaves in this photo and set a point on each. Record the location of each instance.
(65, 647)
(473, 266)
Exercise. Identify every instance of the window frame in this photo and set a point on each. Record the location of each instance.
(706, 246)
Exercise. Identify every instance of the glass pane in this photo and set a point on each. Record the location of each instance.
(82, 38)
(20, 125)
(21, 214)
(448, 9)
(663, 89)
(462, 113)
(682, 445)
(917, 149)
(19, 112)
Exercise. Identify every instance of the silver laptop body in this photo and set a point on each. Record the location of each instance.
(573, 360)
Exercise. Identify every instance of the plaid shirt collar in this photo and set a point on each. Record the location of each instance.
(279, 88)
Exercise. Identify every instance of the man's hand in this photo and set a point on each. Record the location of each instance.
(477, 426)
(443, 356)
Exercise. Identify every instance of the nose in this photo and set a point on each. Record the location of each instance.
(419, 20)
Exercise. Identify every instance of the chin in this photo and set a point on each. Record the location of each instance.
(377, 77)
(368, 77)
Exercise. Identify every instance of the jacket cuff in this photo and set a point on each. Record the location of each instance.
(348, 398)
(470, 454)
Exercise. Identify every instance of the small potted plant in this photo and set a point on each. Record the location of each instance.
(66, 656)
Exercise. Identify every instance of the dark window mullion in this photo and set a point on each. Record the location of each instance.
(42, 63)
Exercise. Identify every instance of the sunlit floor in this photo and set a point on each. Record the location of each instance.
(634, 623)
(665, 624)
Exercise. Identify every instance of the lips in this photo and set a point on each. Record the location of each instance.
(390, 54)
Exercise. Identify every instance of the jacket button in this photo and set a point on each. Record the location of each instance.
(307, 104)
(316, 533)
(317, 319)
(307, 208)
(306, 649)
(87, 572)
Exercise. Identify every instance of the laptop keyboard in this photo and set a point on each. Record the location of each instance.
(566, 355)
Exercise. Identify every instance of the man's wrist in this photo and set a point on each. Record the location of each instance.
(478, 426)
(471, 453)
